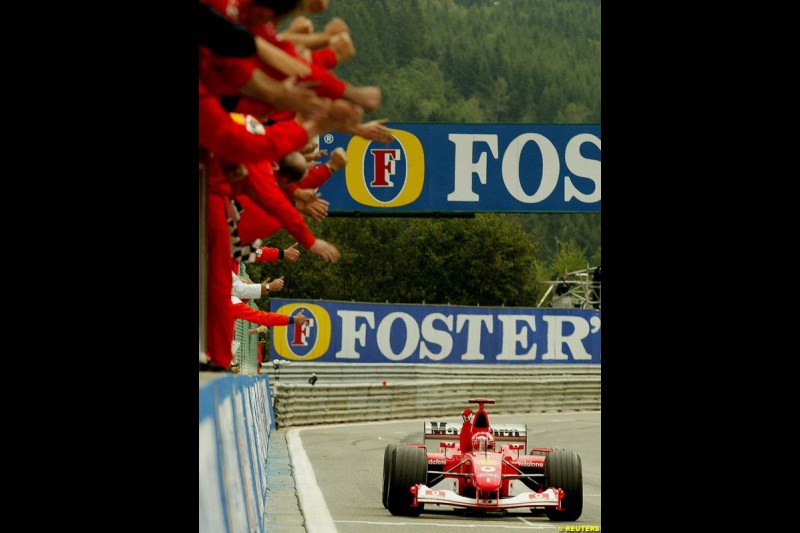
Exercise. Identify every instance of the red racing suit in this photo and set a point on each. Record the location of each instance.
(266, 208)
(314, 178)
(221, 137)
(243, 311)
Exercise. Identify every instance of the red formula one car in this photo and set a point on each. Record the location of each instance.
(482, 467)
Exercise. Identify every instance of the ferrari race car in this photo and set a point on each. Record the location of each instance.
(481, 467)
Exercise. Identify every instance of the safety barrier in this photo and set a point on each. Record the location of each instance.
(285, 371)
(236, 422)
(353, 393)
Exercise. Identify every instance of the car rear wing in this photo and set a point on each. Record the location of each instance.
(436, 432)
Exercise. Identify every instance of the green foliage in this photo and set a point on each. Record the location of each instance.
(418, 107)
(550, 228)
(569, 257)
(546, 51)
(486, 260)
(596, 258)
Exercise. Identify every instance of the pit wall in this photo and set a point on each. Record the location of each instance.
(236, 421)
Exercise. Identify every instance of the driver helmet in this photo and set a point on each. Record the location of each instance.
(483, 442)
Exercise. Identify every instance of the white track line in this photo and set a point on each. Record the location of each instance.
(459, 525)
(316, 515)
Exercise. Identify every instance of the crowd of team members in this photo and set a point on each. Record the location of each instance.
(264, 97)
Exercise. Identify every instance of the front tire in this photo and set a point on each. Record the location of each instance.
(388, 457)
(408, 467)
(562, 469)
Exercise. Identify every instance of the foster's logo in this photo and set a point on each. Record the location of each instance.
(385, 175)
(307, 342)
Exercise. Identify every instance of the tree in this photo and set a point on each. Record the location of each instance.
(573, 114)
(498, 103)
(486, 260)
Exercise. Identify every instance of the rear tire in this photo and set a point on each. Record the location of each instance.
(562, 469)
(409, 466)
(388, 457)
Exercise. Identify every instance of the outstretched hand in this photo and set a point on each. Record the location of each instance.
(300, 319)
(336, 25)
(291, 254)
(300, 24)
(374, 131)
(316, 208)
(342, 46)
(325, 250)
(275, 286)
(338, 158)
(313, 156)
(279, 59)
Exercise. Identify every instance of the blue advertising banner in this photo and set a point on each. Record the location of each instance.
(468, 168)
(350, 332)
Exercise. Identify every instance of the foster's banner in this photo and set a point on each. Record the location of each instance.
(348, 332)
(468, 168)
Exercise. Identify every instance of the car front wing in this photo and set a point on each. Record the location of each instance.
(546, 498)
